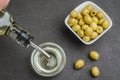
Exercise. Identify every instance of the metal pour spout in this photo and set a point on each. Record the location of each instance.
(39, 49)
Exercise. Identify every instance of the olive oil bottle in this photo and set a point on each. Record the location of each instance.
(10, 28)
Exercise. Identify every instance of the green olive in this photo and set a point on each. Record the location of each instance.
(99, 29)
(88, 31)
(95, 71)
(93, 13)
(85, 11)
(71, 21)
(88, 19)
(79, 64)
(76, 22)
(94, 55)
(80, 33)
(86, 38)
(94, 35)
(93, 25)
(81, 22)
(95, 19)
(84, 27)
(79, 16)
(76, 27)
(73, 13)
(100, 15)
(100, 21)
(89, 7)
(105, 24)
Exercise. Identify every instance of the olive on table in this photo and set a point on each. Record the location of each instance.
(79, 64)
(95, 71)
(94, 55)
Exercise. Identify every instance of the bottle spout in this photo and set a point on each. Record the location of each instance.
(39, 49)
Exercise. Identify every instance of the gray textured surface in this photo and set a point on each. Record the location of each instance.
(45, 20)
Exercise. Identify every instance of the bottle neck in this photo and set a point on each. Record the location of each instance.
(21, 36)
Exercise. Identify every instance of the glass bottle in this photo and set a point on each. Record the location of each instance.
(10, 28)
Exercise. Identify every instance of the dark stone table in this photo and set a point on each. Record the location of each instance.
(44, 19)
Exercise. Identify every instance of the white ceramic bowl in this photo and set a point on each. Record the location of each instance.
(97, 8)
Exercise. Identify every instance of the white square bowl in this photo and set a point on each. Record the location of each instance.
(95, 7)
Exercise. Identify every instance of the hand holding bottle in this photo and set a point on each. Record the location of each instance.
(4, 3)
